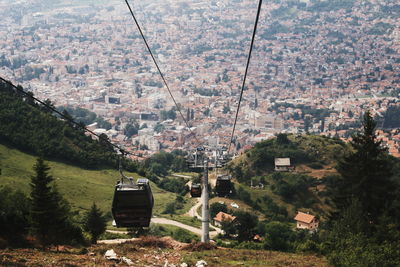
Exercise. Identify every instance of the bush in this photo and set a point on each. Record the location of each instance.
(308, 246)
(216, 207)
(173, 185)
(292, 185)
(184, 236)
(278, 236)
(244, 195)
(172, 207)
(315, 165)
(358, 251)
(14, 212)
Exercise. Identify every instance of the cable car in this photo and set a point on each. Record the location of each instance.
(195, 190)
(132, 204)
(223, 186)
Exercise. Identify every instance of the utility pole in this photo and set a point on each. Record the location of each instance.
(205, 215)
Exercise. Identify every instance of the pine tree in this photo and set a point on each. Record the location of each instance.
(49, 214)
(366, 174)
(41, 203)
(95, 223)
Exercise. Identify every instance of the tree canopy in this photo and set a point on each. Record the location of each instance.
(33, 128)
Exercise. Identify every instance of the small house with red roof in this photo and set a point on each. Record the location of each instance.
(223, 217)
(306, 221)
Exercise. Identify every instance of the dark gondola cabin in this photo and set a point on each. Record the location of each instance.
(223, 186)
(195, 190)
(133, 204)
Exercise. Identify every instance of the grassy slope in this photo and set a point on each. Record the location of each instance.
(79, 186)
(327, 151)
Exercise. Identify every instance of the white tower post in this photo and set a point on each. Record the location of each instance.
(205, 215)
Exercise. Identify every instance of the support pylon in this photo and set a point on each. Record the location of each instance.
(205, 215)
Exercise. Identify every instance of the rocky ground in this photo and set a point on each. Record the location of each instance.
(153, 251)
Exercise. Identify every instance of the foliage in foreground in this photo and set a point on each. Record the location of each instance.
(45, 218)
(365, 229)
(14, 219)
(50, 216)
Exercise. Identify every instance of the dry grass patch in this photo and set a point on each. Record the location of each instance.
(199, 246)
(152, 242)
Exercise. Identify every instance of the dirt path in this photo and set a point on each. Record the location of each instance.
(193, 213)
(182, 176)
(116, 241)
(193, 210)
(192, 229)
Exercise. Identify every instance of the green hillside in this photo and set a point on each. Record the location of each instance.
(79, 186)
(313, 157)
(33, 128)
(314, 151)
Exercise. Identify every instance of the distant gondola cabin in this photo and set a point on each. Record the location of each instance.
(195, 190)
(223, 186)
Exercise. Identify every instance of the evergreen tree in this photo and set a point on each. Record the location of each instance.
(49, 214)
(364, 232)
(42, 204)
(95, 223)
(366, 174)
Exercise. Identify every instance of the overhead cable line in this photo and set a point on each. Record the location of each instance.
(159, 70)
(65, 117)
(245, 73)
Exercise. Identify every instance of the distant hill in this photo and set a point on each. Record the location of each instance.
(313, 157)
(33, 128)
(317, 152)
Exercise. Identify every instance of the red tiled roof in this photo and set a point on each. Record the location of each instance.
(222, 216)
(304, 217)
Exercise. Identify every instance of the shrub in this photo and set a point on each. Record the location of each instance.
(216, 207)
(184, 236)
(308, 246)
(14, 212)
(315, 165)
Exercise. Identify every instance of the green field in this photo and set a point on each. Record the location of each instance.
(79, 186)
